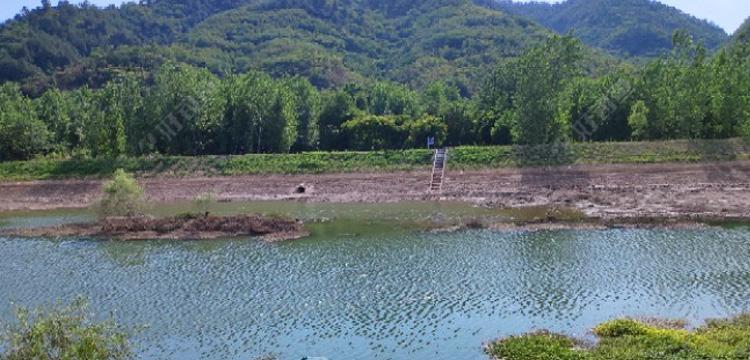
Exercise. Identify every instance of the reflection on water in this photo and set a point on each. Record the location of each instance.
(363, 289)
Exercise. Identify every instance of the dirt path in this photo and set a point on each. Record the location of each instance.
(608, 191)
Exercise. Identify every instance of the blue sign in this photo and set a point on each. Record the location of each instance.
(430, 141)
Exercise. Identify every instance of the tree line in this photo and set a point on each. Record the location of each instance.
(541, 97)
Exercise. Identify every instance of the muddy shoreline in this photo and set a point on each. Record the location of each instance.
(184, 227)
(686, 192)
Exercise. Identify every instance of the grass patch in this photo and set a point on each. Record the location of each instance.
(460, 158)
(626, 339)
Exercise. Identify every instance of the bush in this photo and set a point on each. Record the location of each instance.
(22, 134)
(422, 128)
(122, 196)
(63, 333)
(620, 328)
(536, 346)
(627, 339)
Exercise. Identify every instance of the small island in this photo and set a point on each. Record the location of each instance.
(181, 227)
(121, 216)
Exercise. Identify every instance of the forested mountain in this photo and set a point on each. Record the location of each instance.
(632, 28)
(332, 42)
(190, 77)
(743, 33)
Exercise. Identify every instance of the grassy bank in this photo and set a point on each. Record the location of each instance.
(630, 339)
(468, 157)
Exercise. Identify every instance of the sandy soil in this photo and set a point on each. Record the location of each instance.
(713, 190)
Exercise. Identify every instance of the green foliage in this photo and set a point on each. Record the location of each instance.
(742, 35)
(630, 339)
(338, 108)
(260, 115)
(536, 346)
(63, 333)
(463, 157)
(308, 105)
(543, 73)
(182, 113)
(122, 196)
(626, 27)
(370, 132)
(638, 120)
(324, 162)
(620, 327)
(422, 128)
(22, 134)
(331, 43)
(528, 95)
(390, 99)
(544, 94)
(689, 96)
(53, 109)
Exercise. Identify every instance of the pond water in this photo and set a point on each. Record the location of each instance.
(368, 285)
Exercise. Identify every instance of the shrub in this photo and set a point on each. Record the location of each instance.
(620, 328)
(638, 120)
(535, 346)
(122, 196)
(422, 128)
(63, 333)
(628, 339)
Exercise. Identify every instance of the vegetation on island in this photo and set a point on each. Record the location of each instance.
(625, 339)
(122, 197)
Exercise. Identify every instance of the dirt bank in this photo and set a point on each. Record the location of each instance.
(703, 190)
(176, 228)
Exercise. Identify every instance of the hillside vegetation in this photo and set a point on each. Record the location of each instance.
(319, 88)
(742, 35)
(330, 42)
(544, 96)
(625, 27)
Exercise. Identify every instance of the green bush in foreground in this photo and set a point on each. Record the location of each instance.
(65, 333)
(535, 346)
(122, 196)
(627, 339)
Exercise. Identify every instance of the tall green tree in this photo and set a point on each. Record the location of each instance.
(338, 108)
(22, 134)
(308, 106)
(386, 98)
(184, 111)
(543, 116)
(260, 115)
(53, 108)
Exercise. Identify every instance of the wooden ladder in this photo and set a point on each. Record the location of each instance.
(438, 170)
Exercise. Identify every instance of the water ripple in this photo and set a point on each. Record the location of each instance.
(400, 295)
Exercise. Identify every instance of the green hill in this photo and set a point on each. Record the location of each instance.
(743, 33)
(330, 41)
(633, 28)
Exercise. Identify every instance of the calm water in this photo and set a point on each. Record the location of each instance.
(364, 288)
